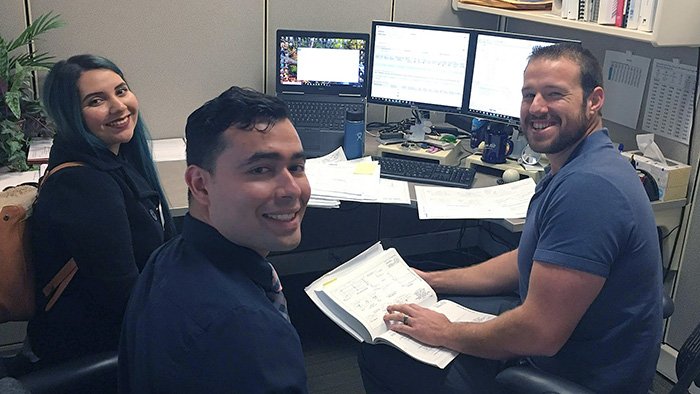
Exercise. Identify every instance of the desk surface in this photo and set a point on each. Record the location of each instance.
(171, 175)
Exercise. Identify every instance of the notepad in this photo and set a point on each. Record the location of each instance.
(356, 294)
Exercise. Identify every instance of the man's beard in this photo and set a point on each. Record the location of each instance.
(564, 139)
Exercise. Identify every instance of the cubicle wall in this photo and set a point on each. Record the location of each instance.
(12, 21)
(175, 55)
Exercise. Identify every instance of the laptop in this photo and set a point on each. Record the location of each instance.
(320, 76)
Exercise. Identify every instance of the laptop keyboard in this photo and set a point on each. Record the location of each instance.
(321, 115)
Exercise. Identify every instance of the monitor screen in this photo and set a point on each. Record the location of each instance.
(497, 77)
(418, 65)
(314, 61)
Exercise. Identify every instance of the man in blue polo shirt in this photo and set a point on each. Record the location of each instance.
(587, 269)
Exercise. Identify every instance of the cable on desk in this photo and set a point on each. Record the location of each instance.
(667, 270)
(496, 238)
(350, 206)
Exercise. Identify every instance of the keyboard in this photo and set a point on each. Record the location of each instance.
(424, 172)
(322, 115)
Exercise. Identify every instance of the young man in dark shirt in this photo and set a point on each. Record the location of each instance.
(207, 314)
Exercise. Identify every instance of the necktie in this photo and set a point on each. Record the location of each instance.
(276, 296)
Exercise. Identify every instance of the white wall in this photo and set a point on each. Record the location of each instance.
(175, 55)
(11, 19)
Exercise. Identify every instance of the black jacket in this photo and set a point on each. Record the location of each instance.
(105, 215)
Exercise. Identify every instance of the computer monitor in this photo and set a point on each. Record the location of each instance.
(496, 80)
(322, 62)
(419, 66)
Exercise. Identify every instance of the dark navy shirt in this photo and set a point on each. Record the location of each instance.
(594, 216)
(199, 321)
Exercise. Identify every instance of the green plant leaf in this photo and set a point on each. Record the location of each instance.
(12, 99)
(40, 25)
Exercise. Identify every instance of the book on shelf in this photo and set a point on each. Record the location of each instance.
(572, 9)
(356, 294)
(647, 11)
(607, 12)
(621, 13)
(591, 10)
(633, 14)
(513, 4)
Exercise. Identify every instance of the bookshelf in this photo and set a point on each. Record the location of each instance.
(675, 25)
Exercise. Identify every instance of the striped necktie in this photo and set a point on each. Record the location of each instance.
(276, 296)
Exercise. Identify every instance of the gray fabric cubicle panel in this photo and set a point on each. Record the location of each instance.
(175, 55)
(687, 292)
(12, 20)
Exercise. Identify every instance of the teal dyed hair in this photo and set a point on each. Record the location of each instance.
(62, 101)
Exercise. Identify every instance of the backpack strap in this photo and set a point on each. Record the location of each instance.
(58, 168)
(61, 280)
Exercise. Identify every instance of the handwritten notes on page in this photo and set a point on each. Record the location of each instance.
(356, 294)
(506, 201)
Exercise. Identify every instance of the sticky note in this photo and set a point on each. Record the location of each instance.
(366, 168)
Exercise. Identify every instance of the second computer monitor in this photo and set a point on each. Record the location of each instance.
(419, 65)
(497, 77)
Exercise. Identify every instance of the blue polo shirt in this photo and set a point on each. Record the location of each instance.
(594, 216)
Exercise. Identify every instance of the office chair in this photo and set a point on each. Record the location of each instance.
(528, 380)
(95, 374)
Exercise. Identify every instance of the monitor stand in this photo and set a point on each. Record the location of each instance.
(421, 125)
(413, 150)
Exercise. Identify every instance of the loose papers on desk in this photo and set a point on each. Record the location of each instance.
(334, 178)
(508, 201)
(170, 149)
(8, 179)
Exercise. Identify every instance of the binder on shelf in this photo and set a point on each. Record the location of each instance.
(582, 9)
(621, 13)
(592, 7)
(607, 12)
(565, 8)
(633, 14)
(572, 12)
(647, 11)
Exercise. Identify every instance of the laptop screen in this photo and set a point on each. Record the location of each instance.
(322, 62)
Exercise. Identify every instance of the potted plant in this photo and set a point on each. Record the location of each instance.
(21, 113)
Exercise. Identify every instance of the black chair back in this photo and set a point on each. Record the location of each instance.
(688, 363)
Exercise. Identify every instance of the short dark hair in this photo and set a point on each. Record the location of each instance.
(590, 73)
(242, 108)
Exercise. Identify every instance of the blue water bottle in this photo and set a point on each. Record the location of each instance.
(354, 139)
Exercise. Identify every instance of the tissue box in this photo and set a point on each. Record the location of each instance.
(672, 178)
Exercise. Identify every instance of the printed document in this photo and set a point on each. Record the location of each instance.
(356, 294)
(508, 201)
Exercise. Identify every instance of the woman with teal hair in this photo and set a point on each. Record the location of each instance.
(108, 214)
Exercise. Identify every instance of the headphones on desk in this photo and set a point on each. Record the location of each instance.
(648, 181)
